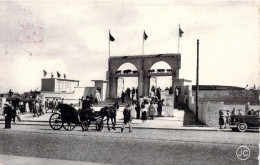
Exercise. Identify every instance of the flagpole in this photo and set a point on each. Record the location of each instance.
(179, 38)
(143, 43)
(109, 45)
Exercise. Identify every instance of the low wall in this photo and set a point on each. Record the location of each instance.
(208, 112)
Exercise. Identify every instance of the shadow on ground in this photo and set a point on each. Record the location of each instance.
(189, 118)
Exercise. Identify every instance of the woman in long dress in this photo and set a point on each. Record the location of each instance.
(27, 109)
(133, 111)
(221, 118)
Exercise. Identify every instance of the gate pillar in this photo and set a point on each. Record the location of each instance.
(140, 83)
(113, 87)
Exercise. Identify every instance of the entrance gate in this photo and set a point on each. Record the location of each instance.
(143, 72)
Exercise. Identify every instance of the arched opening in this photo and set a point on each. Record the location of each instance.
(127, 80)
(160, 79)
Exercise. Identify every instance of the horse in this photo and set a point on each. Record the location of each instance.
(110, 113)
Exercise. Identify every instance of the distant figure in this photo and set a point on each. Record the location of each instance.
(136, 92)
(128, 92)
(144, 112)
(233, 112)
(227, 119)
(8, 115)
(123, 95)
(153, 89)
(221, 118)
(133, 93)
(138, 109)
(51, 75)
(239, 112)
(127, 118)
(98, 96)
(159, 109)
(247, 107)
(249, 112)
(176, 95)
(133, 111)
(36, 109)
(46, 105)
(158, 93)
(64, 76)
(254, 112)
(170, 91)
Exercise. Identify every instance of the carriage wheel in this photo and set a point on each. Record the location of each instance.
(55, 121)
(85, 125)
(69, 126)
(99, 125)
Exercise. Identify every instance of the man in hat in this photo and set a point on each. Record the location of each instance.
(8, 115)
(127, 118)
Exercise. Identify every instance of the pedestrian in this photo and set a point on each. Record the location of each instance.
(221, 118)
(13, 113)
(46, 105)
(233, 112)
(133, 111)
(41, 108)
(128, 91)
(8, 115)
(36, 109)
(54, 103)
(136, 92)
(27, 109)
(227, 119)
(158, 93)
(127, 118)
(133, 93)
(138, 109)
(123, 97)
(97, 96)
(152, 110)
(159, 109)
(144, 113)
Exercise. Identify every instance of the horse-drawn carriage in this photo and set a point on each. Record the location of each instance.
(68, 118)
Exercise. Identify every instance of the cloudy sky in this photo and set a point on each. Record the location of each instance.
(72, 38)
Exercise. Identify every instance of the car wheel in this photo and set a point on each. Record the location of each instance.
(242, 127)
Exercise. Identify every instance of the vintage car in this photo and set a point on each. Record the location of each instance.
(242, 123)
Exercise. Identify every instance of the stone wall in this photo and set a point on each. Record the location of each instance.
(230, 96)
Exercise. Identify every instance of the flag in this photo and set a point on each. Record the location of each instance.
(44, 73)
(58, 74)
(180, 32)
(145, 36)
(111, 38)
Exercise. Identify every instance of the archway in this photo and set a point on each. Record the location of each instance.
(127, 79)
(158, 78)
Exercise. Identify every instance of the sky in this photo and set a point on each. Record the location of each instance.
(72, 38)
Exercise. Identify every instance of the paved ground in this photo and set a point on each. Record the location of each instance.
(181, 120)
(142, 146)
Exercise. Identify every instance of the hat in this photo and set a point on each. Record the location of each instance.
(6, 103)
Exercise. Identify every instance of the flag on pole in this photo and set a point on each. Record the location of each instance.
(58, 74)
(111, 38)
(145, 36)
(180, 32)
(44, 73)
